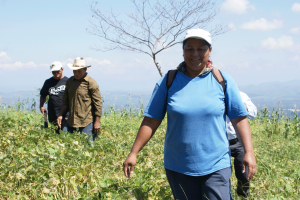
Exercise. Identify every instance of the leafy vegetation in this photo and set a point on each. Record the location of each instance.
(37, 163)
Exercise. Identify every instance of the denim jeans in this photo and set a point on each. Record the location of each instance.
(58, 130)
(65, 128)
(89, 129)
(237, 151)
(214, 186)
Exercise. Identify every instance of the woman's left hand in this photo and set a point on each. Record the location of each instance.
(249, 161)
(242, 129)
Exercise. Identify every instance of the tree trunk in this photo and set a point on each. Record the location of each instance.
(158, 66)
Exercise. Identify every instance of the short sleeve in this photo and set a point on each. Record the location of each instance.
(156, 108)
(44, 90)
(252, 110)
(234, 104)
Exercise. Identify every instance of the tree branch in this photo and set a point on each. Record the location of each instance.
(154, 26)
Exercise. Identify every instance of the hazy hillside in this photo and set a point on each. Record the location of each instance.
(119, 99)
(263, 95)
(269, 94)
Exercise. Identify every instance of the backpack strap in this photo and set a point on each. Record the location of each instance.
(219, 77)
(216, 74)
(170, 77)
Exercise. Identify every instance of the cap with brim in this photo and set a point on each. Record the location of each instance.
(79, 63)
(55, 66)
(198, 34)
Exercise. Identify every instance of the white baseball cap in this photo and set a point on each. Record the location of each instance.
(79, 63)
(55, 66)
(198, 34)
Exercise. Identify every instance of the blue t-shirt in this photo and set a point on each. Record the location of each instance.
(196, 142)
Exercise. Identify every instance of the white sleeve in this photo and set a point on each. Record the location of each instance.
(251, 108)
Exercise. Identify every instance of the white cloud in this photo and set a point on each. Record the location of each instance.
(90, 60)
(219, 65)
(7, 63)
(236, 6)
(295, 58)
(128, 69)
(106, 67)
(231, 26)
(296, 48)
(4, 58)
(296, 7)
(284, 42)
(262, 24)
(295, 30)
(243, 65)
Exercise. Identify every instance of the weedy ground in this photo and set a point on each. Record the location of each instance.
(37, 163)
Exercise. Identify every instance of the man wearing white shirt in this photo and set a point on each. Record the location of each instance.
(237, 150)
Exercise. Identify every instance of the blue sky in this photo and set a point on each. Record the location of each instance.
(263, 45)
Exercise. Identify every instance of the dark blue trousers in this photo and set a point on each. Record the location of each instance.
(237, 151)
(89, 129)
(214, 186)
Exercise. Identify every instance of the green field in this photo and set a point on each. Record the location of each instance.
(37, 163)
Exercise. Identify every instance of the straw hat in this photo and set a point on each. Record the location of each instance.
(79, 63)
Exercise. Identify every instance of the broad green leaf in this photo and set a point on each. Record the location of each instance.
(52, 151)
(103, 184)
(288, 187)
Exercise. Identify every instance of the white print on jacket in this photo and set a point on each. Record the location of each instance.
(55, 91)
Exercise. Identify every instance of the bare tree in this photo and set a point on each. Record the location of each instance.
(154, 26)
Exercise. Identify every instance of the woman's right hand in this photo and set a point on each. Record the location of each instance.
(147, 129)
(128, 165)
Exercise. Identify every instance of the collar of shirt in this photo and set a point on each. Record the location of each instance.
(86, 78)
(182, 68)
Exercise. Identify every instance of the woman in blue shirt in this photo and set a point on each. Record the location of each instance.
(197, 153)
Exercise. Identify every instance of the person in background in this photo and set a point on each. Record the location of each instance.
(237, 149)
(82, 98)
(54, 87)
(196, 151)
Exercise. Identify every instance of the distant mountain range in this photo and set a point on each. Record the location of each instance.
(271, 94)
(274, 94)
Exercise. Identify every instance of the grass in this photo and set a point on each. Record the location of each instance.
(37, 163)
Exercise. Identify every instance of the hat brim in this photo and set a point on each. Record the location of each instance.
(55, 69)
(197, 37)
(76, 68)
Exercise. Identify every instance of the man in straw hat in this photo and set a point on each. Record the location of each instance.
(54, 87)
(82, 98)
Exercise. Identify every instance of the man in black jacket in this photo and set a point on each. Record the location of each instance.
(54, 87)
